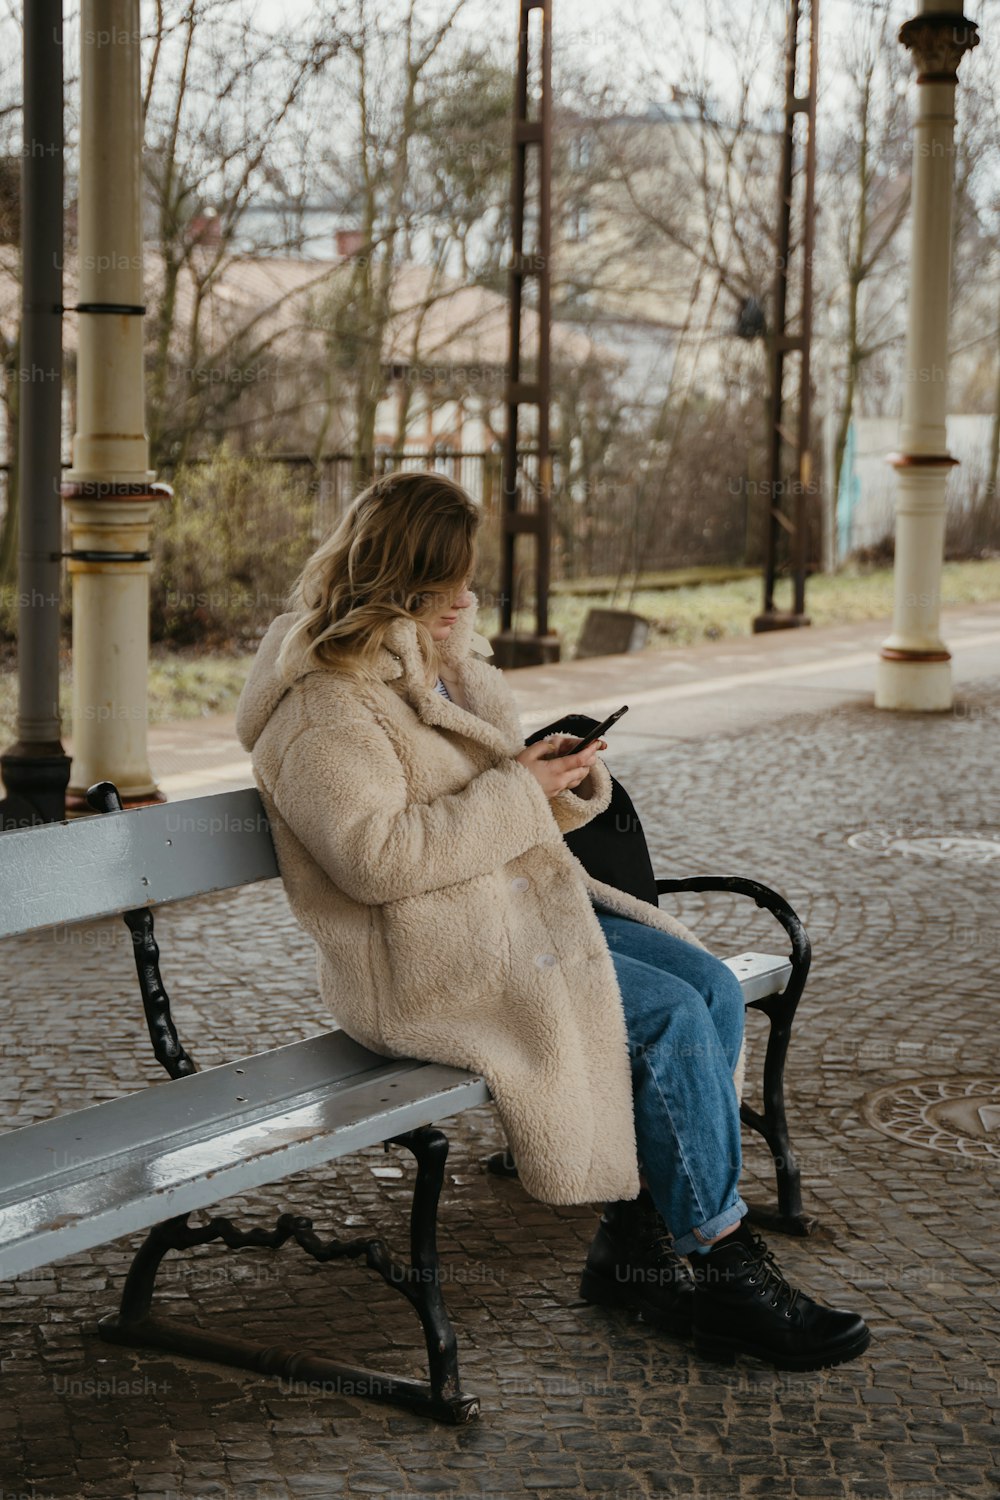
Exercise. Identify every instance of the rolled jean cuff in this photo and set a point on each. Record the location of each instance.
(689, 1243)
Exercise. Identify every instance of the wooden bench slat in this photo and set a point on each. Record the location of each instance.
(760, 974)
(204, 1160)
(241, 1090)
(95, 867)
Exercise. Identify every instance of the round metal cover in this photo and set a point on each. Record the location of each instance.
(954, 848)
(960, 1116)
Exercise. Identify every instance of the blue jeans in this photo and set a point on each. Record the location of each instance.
(684, 1016)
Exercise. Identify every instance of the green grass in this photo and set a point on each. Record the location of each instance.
(713, 611)
(670, 578)
(180, 686)
(187, 685)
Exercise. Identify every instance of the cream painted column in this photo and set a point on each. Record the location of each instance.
(914, 668)
(109, 492)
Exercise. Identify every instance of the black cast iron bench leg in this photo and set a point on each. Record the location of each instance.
(441, 1397)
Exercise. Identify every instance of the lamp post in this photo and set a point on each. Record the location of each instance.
(914, 668)
(35, 767)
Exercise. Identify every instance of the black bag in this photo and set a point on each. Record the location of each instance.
(612, 846)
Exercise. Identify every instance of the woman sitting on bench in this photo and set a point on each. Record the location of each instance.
(421, 845)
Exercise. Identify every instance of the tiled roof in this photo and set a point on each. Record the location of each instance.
(278, 301)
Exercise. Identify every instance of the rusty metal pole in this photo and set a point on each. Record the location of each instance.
(805, 464)
(778, 335)
(793, 521)
(532, 132)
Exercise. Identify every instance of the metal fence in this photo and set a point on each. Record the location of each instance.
(330, 478)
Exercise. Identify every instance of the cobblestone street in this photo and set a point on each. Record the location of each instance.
(883, 831)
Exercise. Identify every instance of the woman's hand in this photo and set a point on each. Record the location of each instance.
(552, 768)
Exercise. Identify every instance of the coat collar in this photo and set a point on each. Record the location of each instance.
(400, 660)
(491, 718)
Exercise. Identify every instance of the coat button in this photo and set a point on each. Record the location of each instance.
(519, 883)
(545, 960)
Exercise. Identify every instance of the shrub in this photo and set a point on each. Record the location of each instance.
(228, 548)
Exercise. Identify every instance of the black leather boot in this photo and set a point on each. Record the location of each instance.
(630, 1264)
(744, 1305)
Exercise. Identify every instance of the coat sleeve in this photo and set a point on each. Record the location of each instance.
(342, 791)
(572, 807)
(571, 810)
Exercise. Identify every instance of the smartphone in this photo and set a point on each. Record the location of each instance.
(594, 734)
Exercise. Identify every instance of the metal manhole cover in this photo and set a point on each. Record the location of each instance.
(955, 848)
(960, 1116)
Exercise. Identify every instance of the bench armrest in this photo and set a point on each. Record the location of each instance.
(780, 1011)
(801, 954)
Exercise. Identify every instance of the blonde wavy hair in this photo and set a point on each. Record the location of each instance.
(404, 549)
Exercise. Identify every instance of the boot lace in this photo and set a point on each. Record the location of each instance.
(770, 1276)
(657, 1242)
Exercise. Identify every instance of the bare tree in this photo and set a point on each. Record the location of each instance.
(678, 202)
(460, 162)
(865, 194)
(221, 99)
(974, 371)
(380, 99)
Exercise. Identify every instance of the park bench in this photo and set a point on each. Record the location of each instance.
(149, 1160)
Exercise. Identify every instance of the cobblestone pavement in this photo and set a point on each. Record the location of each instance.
(883, 830)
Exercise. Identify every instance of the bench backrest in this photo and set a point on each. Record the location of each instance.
(113, 862)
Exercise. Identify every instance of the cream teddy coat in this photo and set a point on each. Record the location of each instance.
(451, 919)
